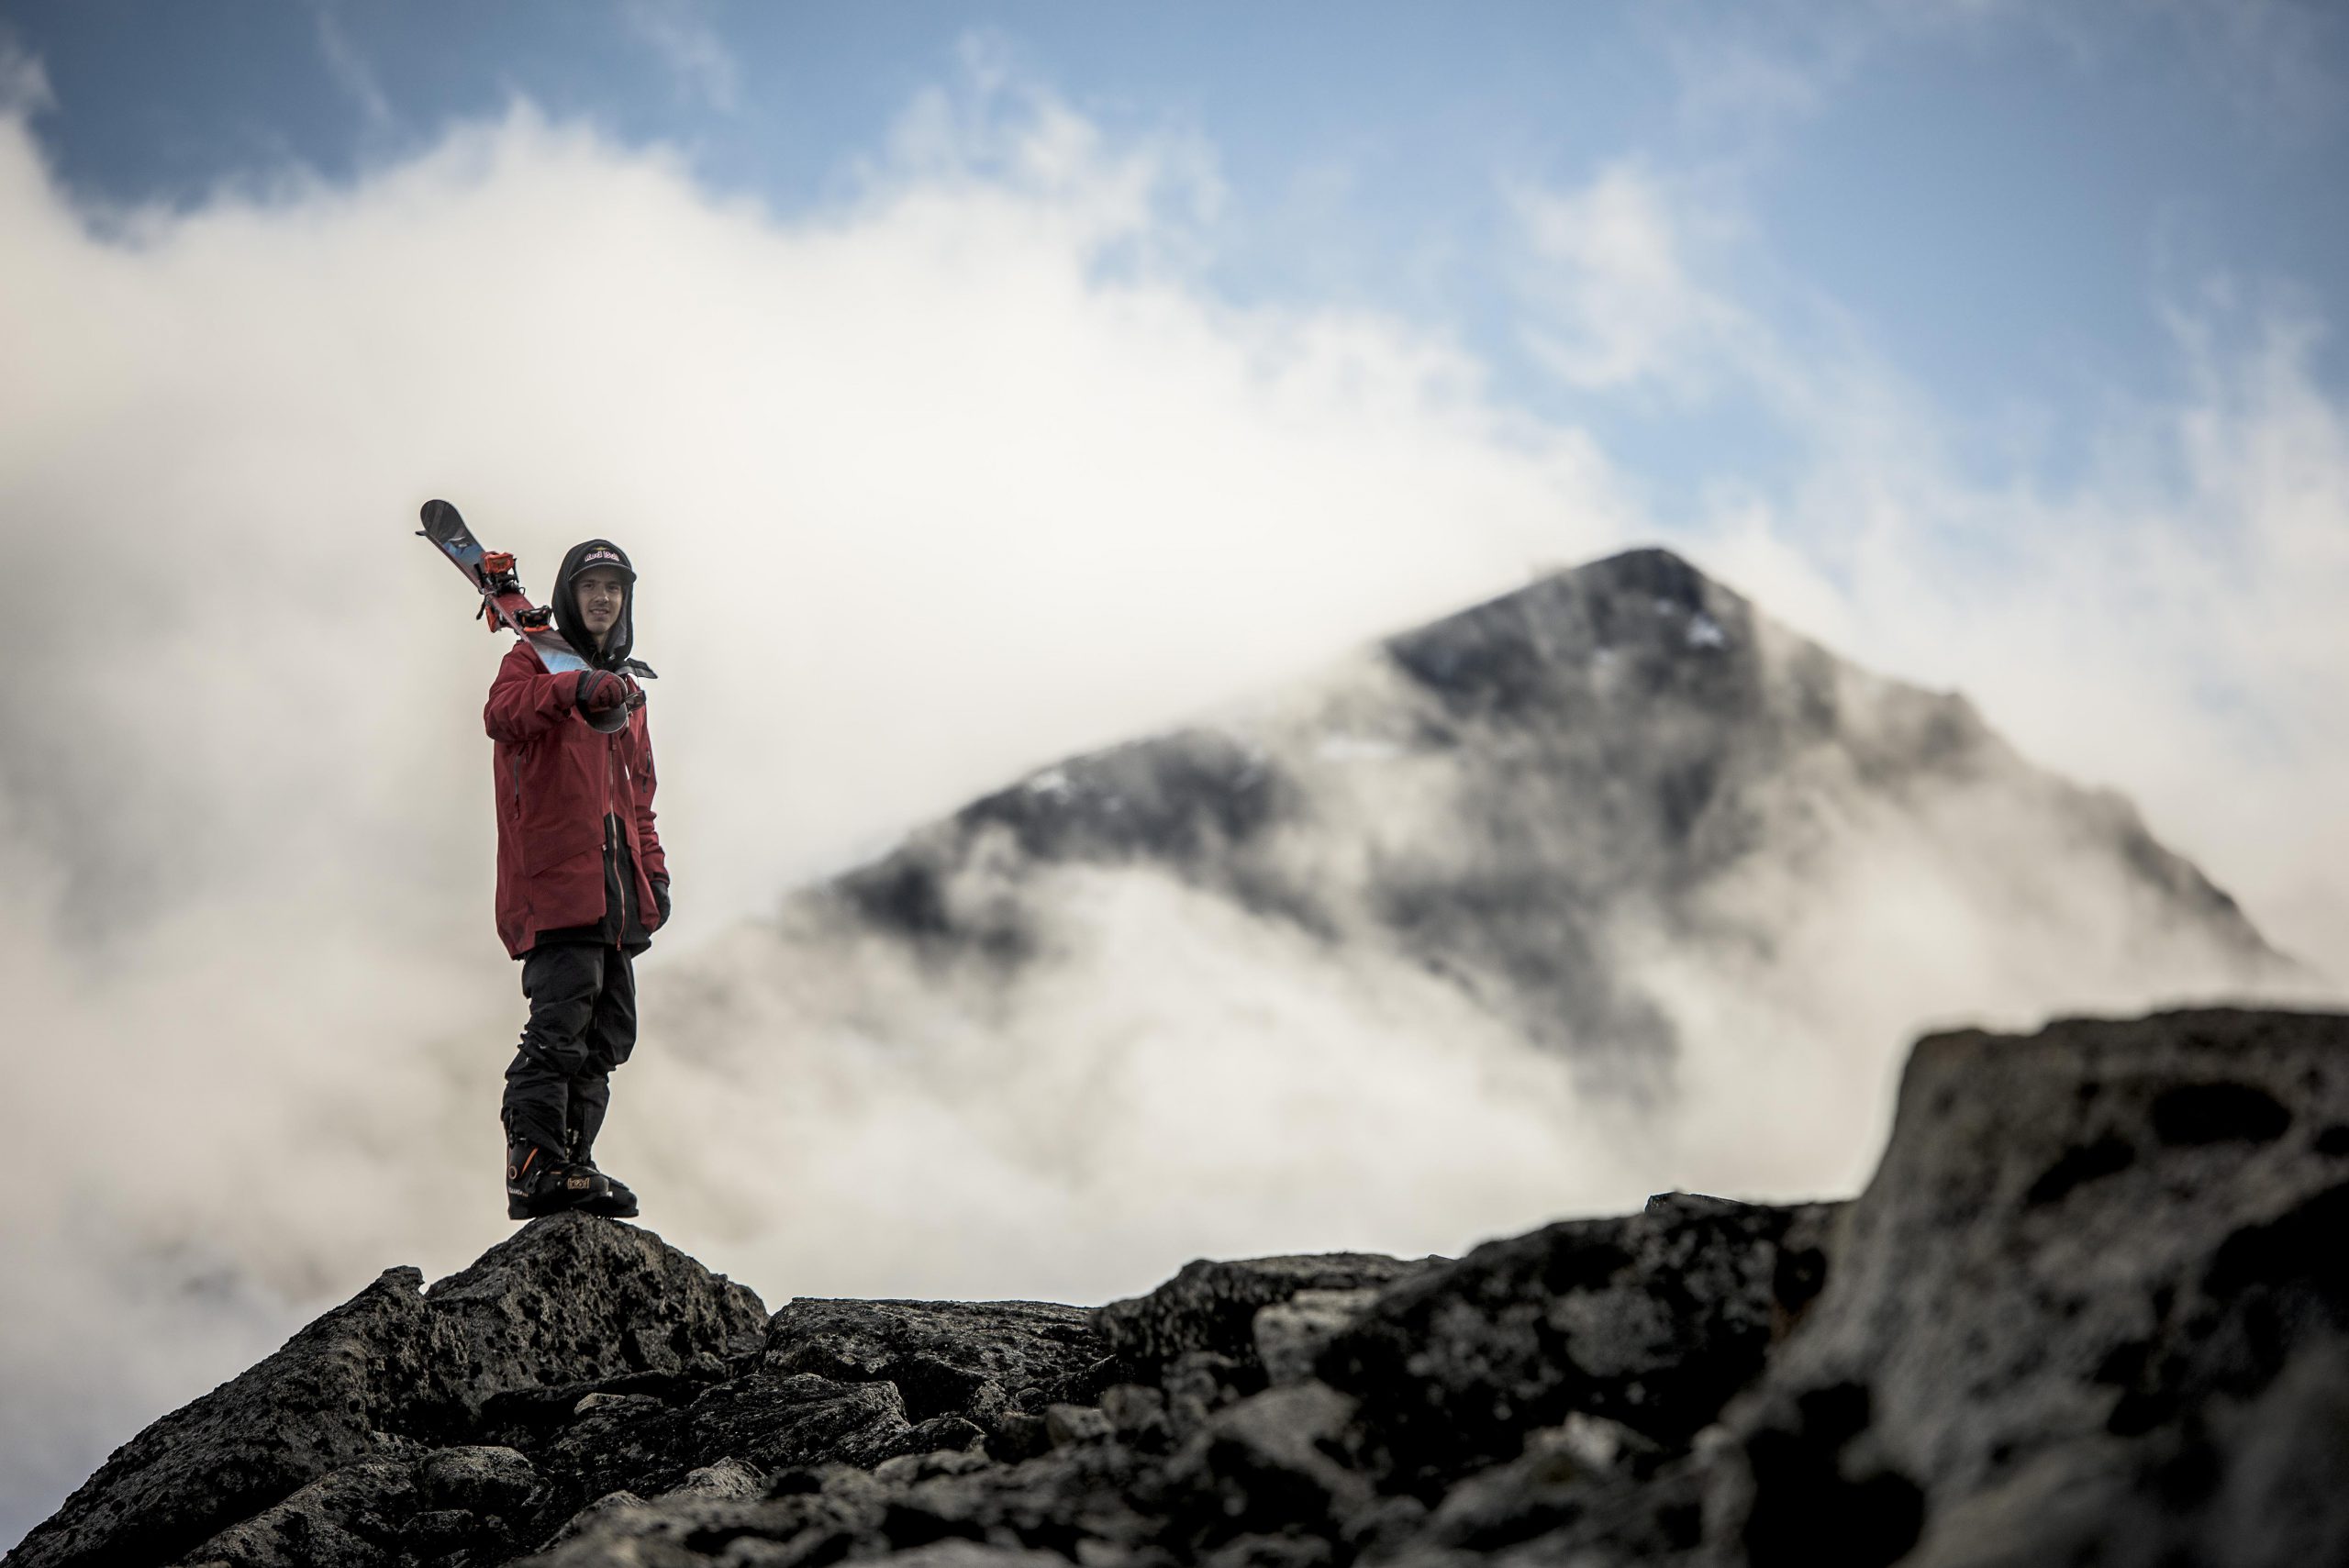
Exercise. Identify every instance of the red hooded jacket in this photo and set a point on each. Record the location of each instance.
(575, 809)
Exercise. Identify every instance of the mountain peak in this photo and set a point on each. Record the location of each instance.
(1534, 649)
(1499, 796)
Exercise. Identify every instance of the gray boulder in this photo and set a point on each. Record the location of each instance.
(393, 1370)
(975, 1361)
(1653, 1320)
(1211, 1307)
(2096, 1297)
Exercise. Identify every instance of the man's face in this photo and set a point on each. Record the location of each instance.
(601, 593)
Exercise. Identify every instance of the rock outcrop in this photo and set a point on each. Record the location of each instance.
(2093, 1307)
(343, 1437)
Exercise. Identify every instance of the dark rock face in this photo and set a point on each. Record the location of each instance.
(972, 1361)
(314, 1407)
(1651, 1321)
(2095, 1294)
(2094, 1306)
(1194, 799)
(1214, 1307)
(381, 1381)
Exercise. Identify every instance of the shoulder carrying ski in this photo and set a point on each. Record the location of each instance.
(505, 607)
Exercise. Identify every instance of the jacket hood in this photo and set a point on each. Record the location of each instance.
(615, 652)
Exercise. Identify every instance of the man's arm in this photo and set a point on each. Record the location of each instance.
(525, 700)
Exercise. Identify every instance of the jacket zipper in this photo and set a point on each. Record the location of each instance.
(612, 832)
(514, 777)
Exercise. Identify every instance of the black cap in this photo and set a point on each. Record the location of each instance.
(599, 552)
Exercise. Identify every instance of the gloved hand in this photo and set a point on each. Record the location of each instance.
(600, 691)
(660, 898)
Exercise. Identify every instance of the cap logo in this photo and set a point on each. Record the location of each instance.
(594, 555)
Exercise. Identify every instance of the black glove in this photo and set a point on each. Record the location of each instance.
(600, 691)
(660, 898)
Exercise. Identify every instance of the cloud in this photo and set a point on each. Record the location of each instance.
(1747, 74)
(682, 33)
(24, 80)
(349, 67)
(1616, 306)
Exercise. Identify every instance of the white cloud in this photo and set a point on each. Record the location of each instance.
(348, 67)
(683, 34)
(1746, 74)
(24, 80)
(1617, 305)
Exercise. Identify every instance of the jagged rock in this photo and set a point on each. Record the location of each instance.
(1565, 1473)
(975, 1554)
(1018, 1436)
(313, 1407)
(1291, 1335)
(1653, 1320)
(908, 1468)
(1285, 1549)
(1274, 1465)
(690, 1527)
(437, 1532)
(1138, 1415)
(597, 1513)
(942, 1434)
(351, 1519)
(1212, 1305)
(485, 1480)
(729, 1480)
(1079, 1501)
(622, 1442)
(1066, 1424)
(2096, 1295)
(777, 1422)
(564, 1299)
(569, 1300)
(1198, 1384)
(973, 1359)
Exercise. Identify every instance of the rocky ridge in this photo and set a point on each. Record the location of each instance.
(2092, 1307)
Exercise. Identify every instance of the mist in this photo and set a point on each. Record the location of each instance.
(926, 488)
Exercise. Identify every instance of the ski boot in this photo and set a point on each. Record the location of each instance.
(616, 1202)
(536, 1183)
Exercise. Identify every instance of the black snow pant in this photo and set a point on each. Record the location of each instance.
(583, 1024)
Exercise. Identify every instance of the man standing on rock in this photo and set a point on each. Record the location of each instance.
(581, 882)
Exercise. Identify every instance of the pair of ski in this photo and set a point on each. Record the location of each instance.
(505, 607)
